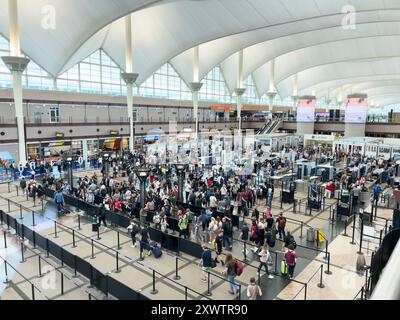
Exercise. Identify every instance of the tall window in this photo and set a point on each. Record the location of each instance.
(34, 77)
(214, 87)
(251, 94)
(167, 84)
(55, 114)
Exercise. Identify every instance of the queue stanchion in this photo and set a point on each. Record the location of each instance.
(354, 230)
(177, 277)
(92, 245)
(17, 190)
(90, 286)
(305, 291)
(75, 267)
(1, 220)
(276, 263)
(98, 233)
(209, 293)
(40, 266)
(154, 290)
(117, 269)
(320, 284)
(33, 291)
(79, 222)
(361, 236)
(8, 186)
(34, 239)
(22, 253)
(62, 283)
(33, 219)
(380, 236)
(73, 239)
(328, 271)
(43, 203)
(20, 213)
(239, 297)
(259, 277)
(27, 195)
(301, 230)
(47, 249)
(118, 242)
(245, 251)
(34, 198)
(55, 230)
(6, 281)
(8, 202)
(186, 293)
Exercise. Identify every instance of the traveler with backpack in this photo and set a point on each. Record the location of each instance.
(289, 239)
(291, 260)
(230, 272)
(254, 233)
(205, 262)
(102, 216)
(134, 229)
(265, 258)
(22, 184)
(144, 241)
(183, 225)
(59, 200)
(253, 290)
(218, 247)
(157, 220)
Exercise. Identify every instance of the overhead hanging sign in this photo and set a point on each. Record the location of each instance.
(221, 108)
(60, 135)
(114, 132)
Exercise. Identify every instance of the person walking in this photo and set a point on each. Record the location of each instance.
(227, 232)
(291, 260)
(183, 225)
(253, 290)
(134, 229)
(230, 272)
(219, 240)
(265, 258)
(101, 215)
(59, 200)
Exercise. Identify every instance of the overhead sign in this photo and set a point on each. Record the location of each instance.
(114, 132)
(221, 108)
(60, 135)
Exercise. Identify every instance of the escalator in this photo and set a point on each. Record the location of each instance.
(270, 127)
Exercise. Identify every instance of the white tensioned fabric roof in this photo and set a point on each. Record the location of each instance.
(305, 37)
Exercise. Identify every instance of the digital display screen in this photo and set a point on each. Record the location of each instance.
(356, 110)
(306, 110)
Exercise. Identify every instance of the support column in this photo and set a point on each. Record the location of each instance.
(17, 64)
(129, 77)
(306, 115)
(195, 86)
(272, 90)
(295, 94)
(240, 91)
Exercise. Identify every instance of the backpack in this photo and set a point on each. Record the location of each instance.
(156, 219)
(23, 184)
(239, 266)
(272, 240)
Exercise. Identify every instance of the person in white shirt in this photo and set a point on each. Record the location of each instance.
(188, 190)
(265, 257)
(253, 290)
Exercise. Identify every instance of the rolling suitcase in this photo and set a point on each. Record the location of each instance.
(284, 268)
(156, 250)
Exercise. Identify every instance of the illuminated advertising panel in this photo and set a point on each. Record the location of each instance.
(306, 109)
(356, 109)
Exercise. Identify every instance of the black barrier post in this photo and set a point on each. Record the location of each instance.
(320, 284)
(259, 277)
(16, 228)
(328, 271)
(43, 203)
(294, 205)
(17, 190)
(6, 281)
(27, 197)
(186, 293)
(305, 291)
(326, 249)
(73, 239)
(245, 251)
(33, 291)
(239, 297)
(5, 239)
(380, 236)
(98, 233)
(62, 283)
(209, 294)
(301, 230)
(55, 229)
(79, 222)
(118, 243)
(92, 257)
(20, 213)
(8, 186)
(282, 198)
(62, 258)
(91, 277)
(345, 227)
(75, 267)
(8, 201)
(40, 267)
(34, 198)
(34, 239)
(90, 296)
(386, 227)
(1, 219)
(177, 277)
(22, 253)
(354, 230)
(33, 219)
(47, 248)
(361, 236)
(276, 263)
(154, 290)
(117, 270)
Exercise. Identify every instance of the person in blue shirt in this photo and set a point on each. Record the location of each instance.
(59, 200)
(377, 192)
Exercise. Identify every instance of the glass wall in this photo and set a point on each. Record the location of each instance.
(214, 87)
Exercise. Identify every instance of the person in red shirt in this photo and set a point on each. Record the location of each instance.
(291, 260)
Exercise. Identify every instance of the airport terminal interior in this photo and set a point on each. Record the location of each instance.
(199, 150)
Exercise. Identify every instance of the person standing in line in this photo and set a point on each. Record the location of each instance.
(265, 257)
(102, 216)
(144, 241)
(59, 200)
(134, 230)
(205, 262)
(281, 224)
(253, 290)
(230, 272)
(183, 225)
(244, 236)
(227, 232)
(218, 247)
(261, 232)
(291, 260)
